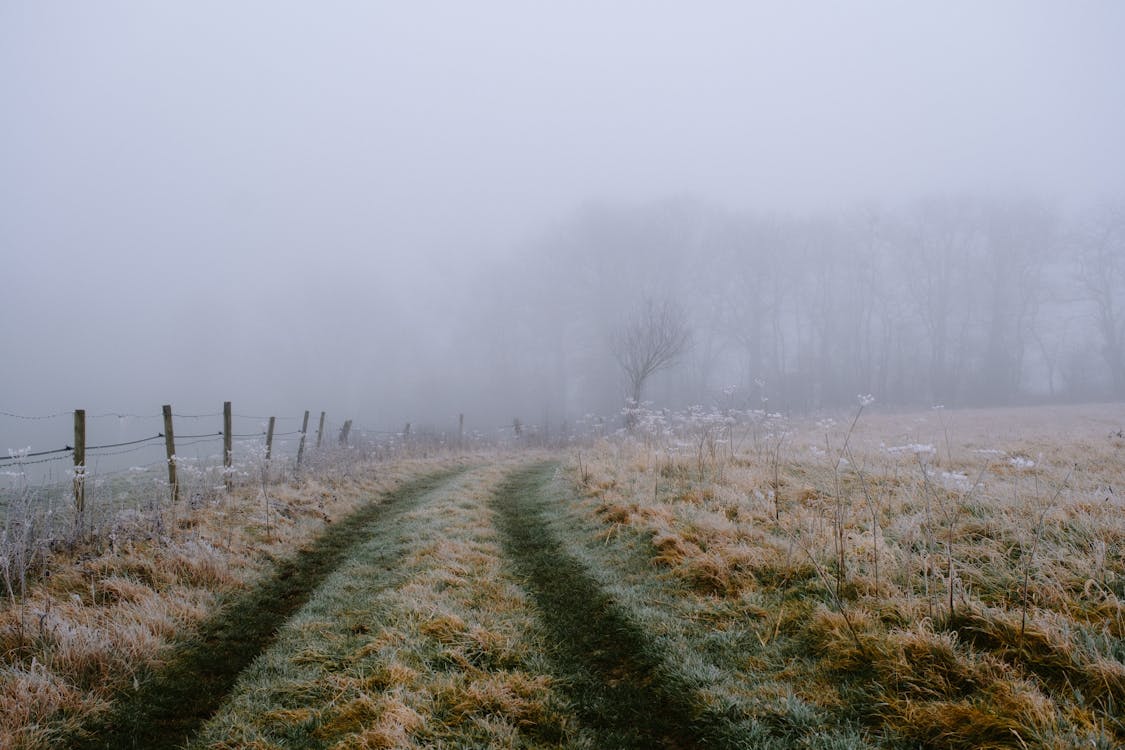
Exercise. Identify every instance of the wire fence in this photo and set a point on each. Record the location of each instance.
(147, 473)
(133, 479)
(58, 489)
(132, 453)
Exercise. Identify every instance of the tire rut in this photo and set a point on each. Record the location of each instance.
(172, 703)
(614, 672)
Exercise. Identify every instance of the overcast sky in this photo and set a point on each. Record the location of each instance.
(270, 201)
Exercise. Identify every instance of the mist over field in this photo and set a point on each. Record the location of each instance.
(676, 375)
(402, 212)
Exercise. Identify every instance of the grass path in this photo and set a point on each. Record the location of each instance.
(171, 704)
(421, 639)
(454, 613)
(617, 676)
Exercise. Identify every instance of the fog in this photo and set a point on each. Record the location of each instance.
(405, 211)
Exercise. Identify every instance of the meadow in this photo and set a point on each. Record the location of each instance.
(939, 579)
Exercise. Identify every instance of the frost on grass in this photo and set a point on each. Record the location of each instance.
(421, 640)
(942, 589)
(115, 603)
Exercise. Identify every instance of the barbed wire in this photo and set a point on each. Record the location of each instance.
(96, 451)
(250, 416)
(39, 461)
(94, 476)
(114, 414)
(34, 418)
(190, 443)
(123, 416)
(120, 445)
(120, 453)
(21, 456)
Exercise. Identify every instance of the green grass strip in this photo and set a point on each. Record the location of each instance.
(172, 703)
(616, 675)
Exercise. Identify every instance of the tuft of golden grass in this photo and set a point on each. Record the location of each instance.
(514, 697)
(387, 724)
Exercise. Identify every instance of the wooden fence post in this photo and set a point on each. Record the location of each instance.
(170, 447)
(269, 439)
(227, 444)
(320, 431)
(460, 432)
(301, 445)
(79, 461)
(344, 431)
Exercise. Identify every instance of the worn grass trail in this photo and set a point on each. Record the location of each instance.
(421, 639)
(618, 679)
(171, 704)
(450, 614)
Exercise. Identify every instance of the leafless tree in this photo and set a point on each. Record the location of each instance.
(653, 339)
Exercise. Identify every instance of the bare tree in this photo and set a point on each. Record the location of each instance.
(653, 339)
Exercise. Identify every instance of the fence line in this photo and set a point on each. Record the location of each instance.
(466, 435)
(119, 482)
(83, 454)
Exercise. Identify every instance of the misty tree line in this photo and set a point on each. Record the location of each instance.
(954, 301)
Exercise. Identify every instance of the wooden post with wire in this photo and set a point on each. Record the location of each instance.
(301, 444)
(320, 431)
(269, 439)
(344, 432)
(460, 432)
(227, 444)
(170, 447)
(79, 461)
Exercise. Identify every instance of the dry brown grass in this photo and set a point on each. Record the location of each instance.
(940, 610)
(107, 608)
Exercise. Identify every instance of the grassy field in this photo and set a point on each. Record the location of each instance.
(941, 579)
(947, 579)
